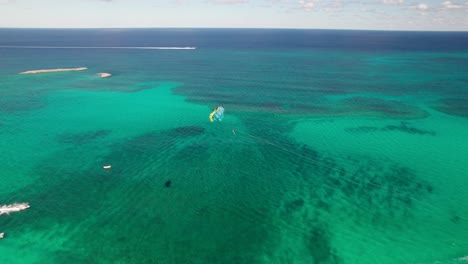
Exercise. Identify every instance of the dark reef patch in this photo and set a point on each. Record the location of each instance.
(452, 106)
(455, 219)
(375, 191)
(402, 127)
(294, 205)
(356, 190)
(363, 129)
(319, 245)
(20, 102)
(385, 191)
(379, 106)
(114, 84)
(82, 138)
(188, 131)
(142, 87)
(301, 97)
(186, 153)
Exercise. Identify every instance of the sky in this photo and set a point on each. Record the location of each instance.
(315, 14)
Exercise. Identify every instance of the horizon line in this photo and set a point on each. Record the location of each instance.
(244, 28)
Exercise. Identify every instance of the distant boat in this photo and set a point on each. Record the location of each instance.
(104, 74)
(106, 167)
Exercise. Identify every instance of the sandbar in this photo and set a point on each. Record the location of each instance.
(54, 70)
(104, 74)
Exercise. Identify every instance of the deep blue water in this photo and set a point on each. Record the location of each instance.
(241, 39)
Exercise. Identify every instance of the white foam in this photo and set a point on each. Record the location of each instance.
(71, 47)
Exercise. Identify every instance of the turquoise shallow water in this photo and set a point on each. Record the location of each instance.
(337, 157)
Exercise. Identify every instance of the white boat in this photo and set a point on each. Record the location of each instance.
(11, 208)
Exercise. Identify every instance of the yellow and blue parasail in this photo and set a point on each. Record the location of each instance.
(217, 114)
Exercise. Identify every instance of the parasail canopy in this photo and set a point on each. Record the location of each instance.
(217, 114)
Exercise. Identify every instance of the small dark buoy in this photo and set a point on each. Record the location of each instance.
(168, 183)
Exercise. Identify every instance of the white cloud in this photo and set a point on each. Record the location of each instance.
(231, 1)
(450, 5)
(422, 7)
(308, 5)
(393, 2)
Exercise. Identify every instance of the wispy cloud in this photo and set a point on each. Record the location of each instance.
(6, 2)
(393, 2)
(308, 5)
(422, 7)
(451, 5)
(386, 14)
(231, 1)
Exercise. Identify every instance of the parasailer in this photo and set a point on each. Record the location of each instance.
(217, 114)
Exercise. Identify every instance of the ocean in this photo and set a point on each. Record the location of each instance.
(335, 147)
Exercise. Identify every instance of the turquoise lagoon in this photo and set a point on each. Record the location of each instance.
(338, 156)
